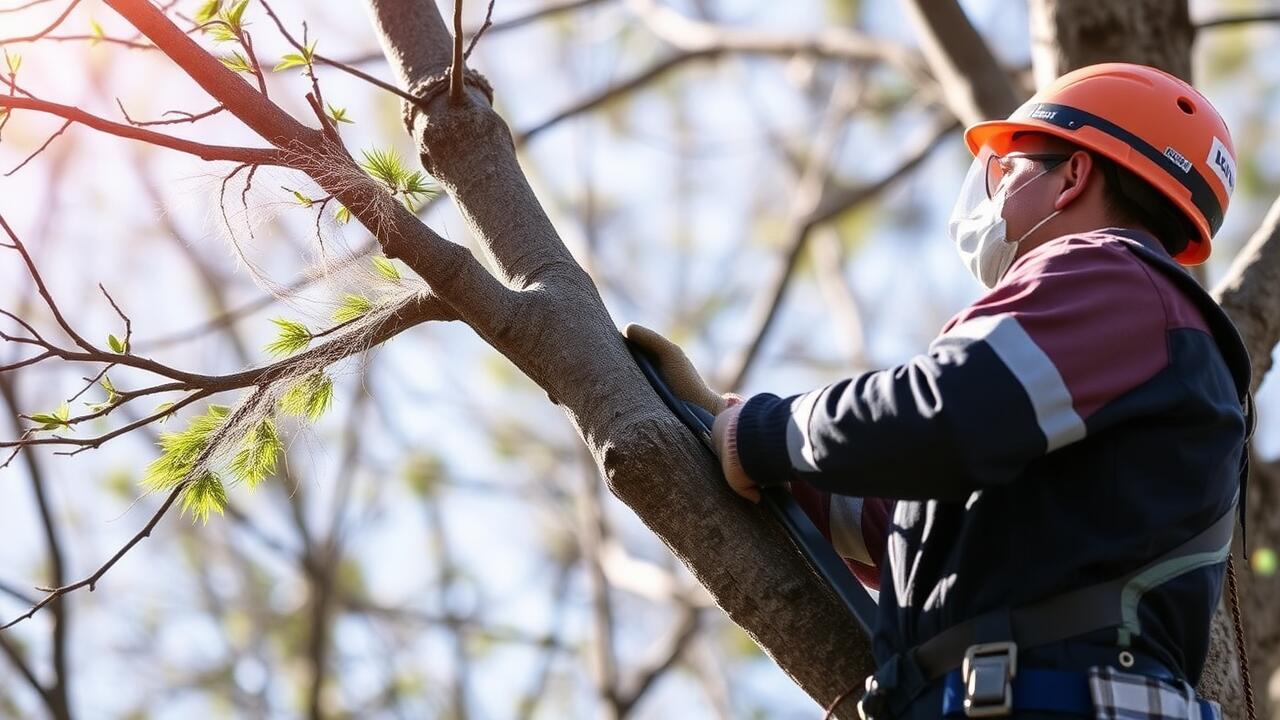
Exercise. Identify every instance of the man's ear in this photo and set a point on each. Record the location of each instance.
(1075, 178)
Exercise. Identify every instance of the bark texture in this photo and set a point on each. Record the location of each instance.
(1069, 34)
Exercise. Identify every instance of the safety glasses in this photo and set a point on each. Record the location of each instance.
(999, 166)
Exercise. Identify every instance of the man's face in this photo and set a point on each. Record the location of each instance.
(1015, 166)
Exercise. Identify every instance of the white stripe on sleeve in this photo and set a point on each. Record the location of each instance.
(799, 447)
(845, 522)
(1031, 366)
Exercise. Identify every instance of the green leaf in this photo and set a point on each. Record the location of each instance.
(220, 31)
(291, 60)
(235, 14)
(95, 31)
(302, 199)
(342, 215)
(180, 450)
(309, 52)
(206, 494)
(14, 62)
(117, 345)
(162, 407)
(309, 397)
(294, 336)
(256, 459)
(208, 11)
(386, 268)
(237, 62)
(53, 420)
(385, 165)
(112, 396)
(352, 307)
(416, 190)
(339, 115)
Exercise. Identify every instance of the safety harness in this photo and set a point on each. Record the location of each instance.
(979, 657)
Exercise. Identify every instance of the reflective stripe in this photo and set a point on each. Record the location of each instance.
(1033, 369)
(846, 528)
(799, 446)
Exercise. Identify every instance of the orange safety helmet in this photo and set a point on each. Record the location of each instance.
(1147, 121)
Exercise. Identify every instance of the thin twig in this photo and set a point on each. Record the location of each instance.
(186, 116)
(40, 149)
(1240, 19)
(128, 325)
(92, 580)
(44, 292)
(488, 22)
(455, 69)
(345, 67)
(22, 7)
(52, 26)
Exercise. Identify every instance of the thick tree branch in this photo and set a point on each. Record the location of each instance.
(1250, 293)
(975, 85)
(561, 336)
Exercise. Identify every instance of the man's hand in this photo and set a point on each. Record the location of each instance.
(724, 439)
(684, 380)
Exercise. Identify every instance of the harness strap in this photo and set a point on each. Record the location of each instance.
(1063, 691)
(1096, 607)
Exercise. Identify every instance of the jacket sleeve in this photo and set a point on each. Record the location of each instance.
(1018, 374)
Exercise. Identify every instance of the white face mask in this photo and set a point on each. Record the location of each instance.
(977, 226)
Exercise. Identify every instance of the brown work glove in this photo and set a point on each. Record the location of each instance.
(683, 379)
(681, 376)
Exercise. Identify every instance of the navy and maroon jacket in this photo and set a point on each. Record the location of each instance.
(1073, 424)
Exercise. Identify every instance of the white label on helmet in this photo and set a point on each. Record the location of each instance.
(1223, 165)
(1178, 159)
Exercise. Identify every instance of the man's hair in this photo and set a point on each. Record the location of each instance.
(1130, 200)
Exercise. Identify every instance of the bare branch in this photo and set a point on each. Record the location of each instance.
(488, 22)
(44, 292)
(128, 325)
(456, 88)
(697, 41)
(824, 206)
(1240, 19)
(263, 156)
(23, 6)
(92, 580)
(974, 84)
(57, 565)
(40, 149)
(186, 116)
(685, 631)
(52, 26)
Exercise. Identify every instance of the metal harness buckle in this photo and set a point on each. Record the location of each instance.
(988, 672)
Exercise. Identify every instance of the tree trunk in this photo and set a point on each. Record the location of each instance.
(559, 333)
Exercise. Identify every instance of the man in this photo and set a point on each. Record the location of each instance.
(1066, 457)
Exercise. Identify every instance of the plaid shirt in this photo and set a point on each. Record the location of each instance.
(1128, 696)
